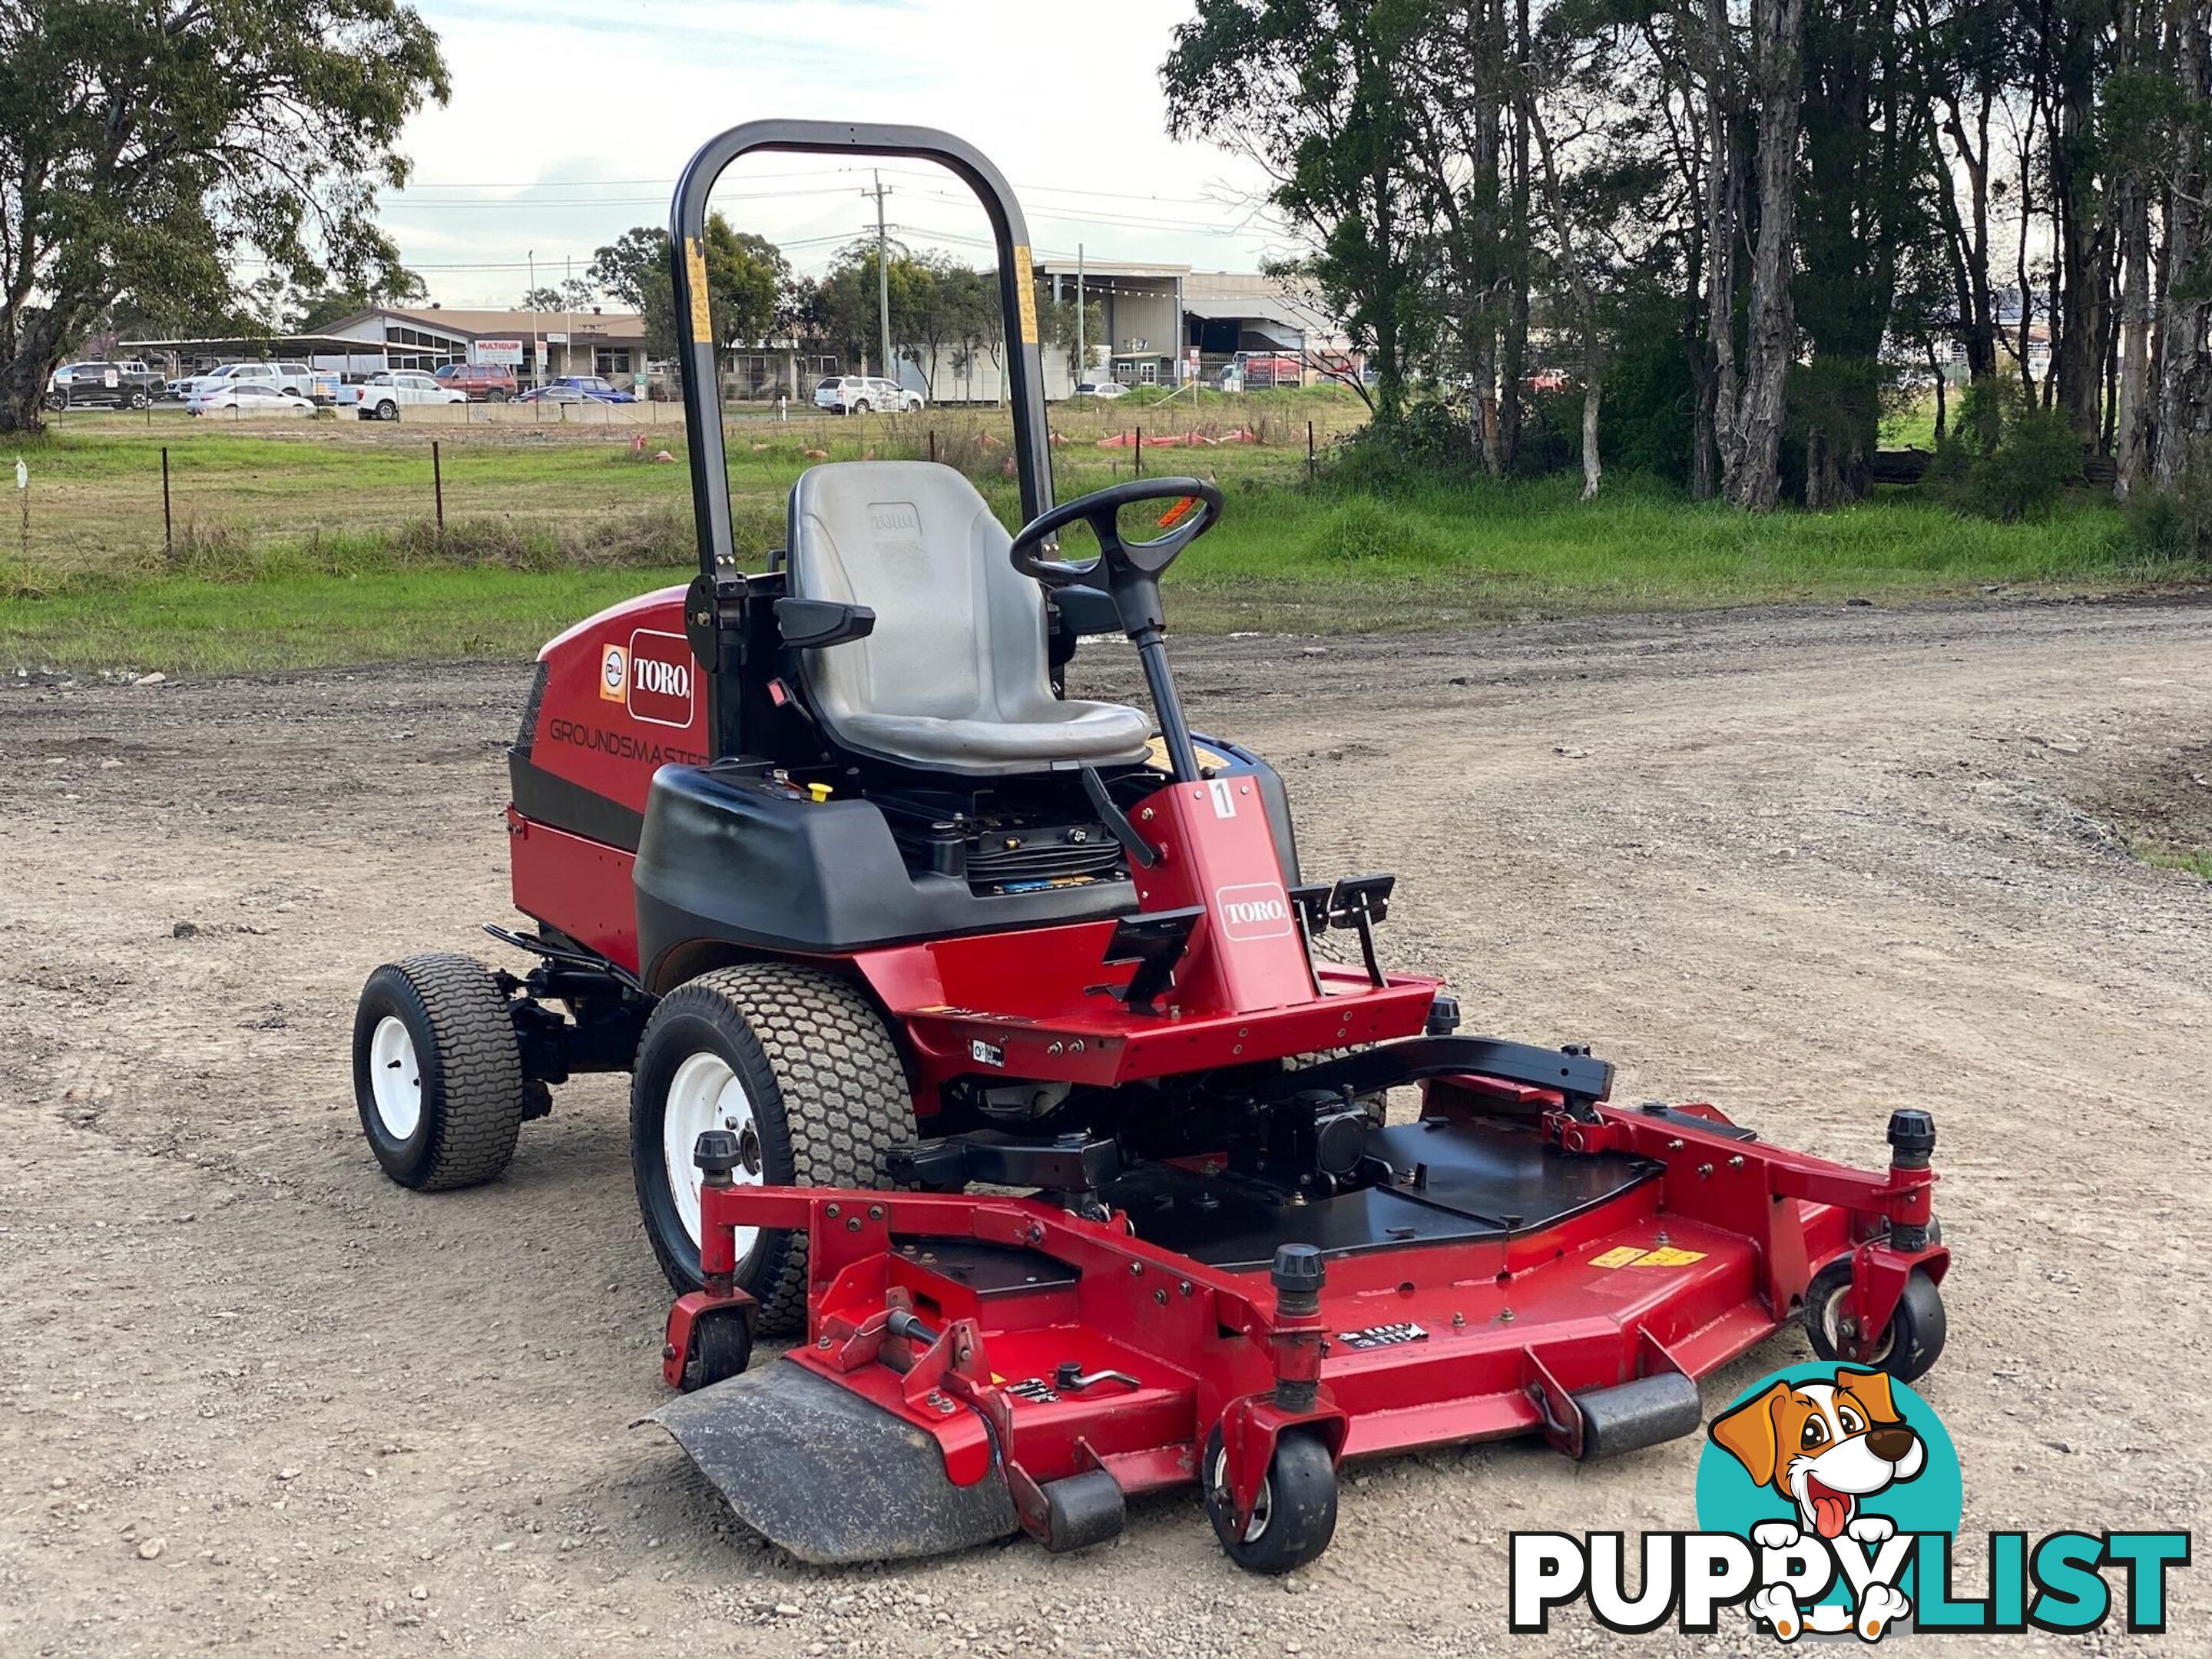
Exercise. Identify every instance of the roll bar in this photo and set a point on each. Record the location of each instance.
(687, 230)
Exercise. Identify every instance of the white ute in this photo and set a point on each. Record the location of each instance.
(381, 397)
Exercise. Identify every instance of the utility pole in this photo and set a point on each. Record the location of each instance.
(569, 300)
(1082, 362)
(883, 276)
(537, 345)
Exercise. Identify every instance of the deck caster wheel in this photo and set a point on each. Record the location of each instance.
(800, 1067)
(1908, 1349)
(437, 1072)
(1295, 1516)
(721, 1348)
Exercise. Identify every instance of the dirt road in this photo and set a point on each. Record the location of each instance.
(1811, 866)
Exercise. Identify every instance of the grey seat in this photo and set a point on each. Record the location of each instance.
(954, 677)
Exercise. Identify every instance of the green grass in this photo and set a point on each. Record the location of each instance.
(2196, 861)
(315, 545)
(1452, 556)
(297, 620)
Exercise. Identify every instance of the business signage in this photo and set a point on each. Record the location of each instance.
(507, 353)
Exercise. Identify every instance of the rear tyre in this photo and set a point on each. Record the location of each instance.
(387, 410)
(861, 407)
(496, 397)
(437, 1072)
(1295, 1516)
(801, 1066)
(1908, 1349)
(56, 401)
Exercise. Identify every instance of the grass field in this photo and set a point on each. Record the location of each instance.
(316, 543)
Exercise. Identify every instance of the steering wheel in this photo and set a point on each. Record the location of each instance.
(1130, 569)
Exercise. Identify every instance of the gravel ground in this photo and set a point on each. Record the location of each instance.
(1811, 866)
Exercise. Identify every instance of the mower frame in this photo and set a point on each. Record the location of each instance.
(1526, 1343)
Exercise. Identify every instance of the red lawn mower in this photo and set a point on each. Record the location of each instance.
(981, 1040)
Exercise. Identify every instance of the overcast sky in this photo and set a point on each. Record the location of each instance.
(570, 118)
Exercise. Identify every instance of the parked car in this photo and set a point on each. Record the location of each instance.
(557, 391)
(597, 387)
(860, 394)
(480, 383)
(1109, 390)
(126, 385)
(293, 377)
(381, 397)
(247, 399)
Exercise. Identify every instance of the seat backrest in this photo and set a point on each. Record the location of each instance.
(959, 633)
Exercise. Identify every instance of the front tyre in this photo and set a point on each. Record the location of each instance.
(1296, 1515)
(799, 1067)
(1908, 1350)
(437, 1072)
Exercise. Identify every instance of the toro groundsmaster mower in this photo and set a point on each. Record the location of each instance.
(981, 1039)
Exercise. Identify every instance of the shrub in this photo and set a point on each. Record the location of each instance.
(1362, 529)
(2004, 458)
(2173, 525)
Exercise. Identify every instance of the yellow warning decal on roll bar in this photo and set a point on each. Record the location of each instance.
(1025, 296)
(695, 267)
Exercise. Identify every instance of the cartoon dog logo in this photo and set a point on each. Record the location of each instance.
(1824, 1446)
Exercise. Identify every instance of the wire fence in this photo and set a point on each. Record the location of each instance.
(145, 493)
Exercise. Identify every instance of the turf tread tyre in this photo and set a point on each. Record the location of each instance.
(473, 1097)
(837, 1094)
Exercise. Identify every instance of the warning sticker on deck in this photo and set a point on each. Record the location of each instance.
(1627, 1256)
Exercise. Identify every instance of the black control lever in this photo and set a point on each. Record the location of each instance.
(1102, 803)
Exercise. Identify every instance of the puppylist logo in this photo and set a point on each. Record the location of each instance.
(1828, 1502)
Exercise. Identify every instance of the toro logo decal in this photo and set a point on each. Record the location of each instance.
(661, 678)
(1257, 909)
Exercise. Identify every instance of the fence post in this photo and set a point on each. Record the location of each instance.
(168, 523)
(933, 444)
(1311, 462)
(1137, 452)
(438, 486)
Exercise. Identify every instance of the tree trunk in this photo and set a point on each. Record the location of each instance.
(2131, 418)
(2082, 273)
(40, 338)
(1755, 482)
(1585, 302)
(1943, 388)
(1592, 395)
(1483, 275)
(1513, 365)
(1968, 233)
(1723, 221)
(2184, 399)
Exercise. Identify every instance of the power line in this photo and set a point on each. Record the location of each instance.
(820, 173)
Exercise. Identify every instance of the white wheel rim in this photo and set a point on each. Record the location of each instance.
(706, 1094)
(395, 1077)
